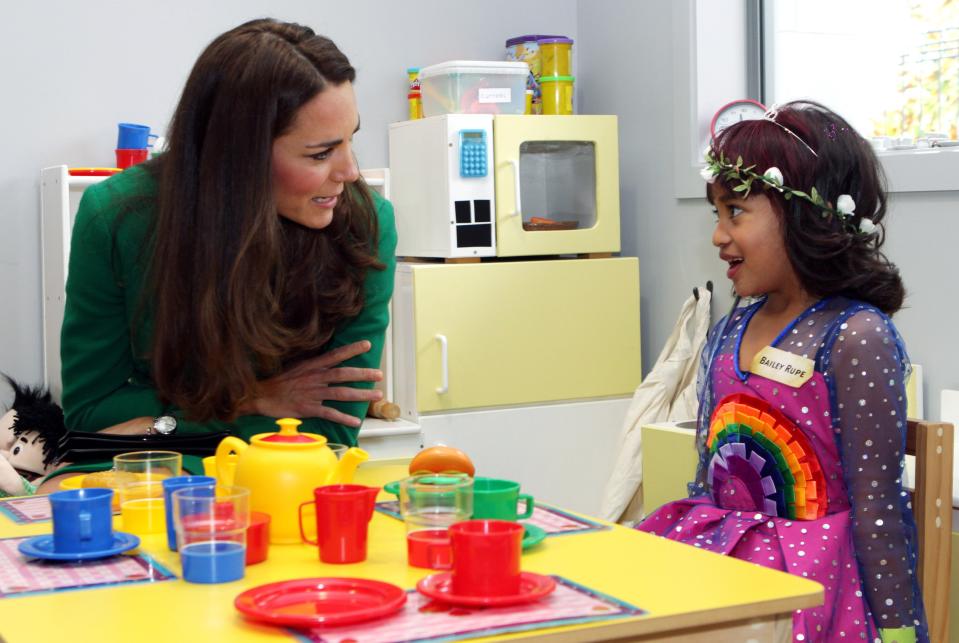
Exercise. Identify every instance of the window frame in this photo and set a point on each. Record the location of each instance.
(919, 170)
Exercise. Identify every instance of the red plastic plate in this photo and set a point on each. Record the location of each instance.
(310, 602)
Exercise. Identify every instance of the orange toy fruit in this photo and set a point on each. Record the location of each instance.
(440, 459)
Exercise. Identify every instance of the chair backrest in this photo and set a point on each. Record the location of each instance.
(931, 444)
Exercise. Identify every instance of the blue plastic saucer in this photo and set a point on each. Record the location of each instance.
(42, 547)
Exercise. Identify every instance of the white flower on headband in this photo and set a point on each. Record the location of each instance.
(709, 174)
(774, 176)
(866, 226)
(846, 205)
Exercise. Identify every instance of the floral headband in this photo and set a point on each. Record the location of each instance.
(773, 178)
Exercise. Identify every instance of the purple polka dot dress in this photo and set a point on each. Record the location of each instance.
(807, 480)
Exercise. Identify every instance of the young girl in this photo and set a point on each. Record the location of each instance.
(802, 405)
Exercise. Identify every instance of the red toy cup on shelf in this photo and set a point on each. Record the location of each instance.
(343, 514)
(486, 557)
(127, 158)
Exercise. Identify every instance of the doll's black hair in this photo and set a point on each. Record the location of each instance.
(36, 411)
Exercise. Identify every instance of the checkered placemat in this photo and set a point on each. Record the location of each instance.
(423, 619)
(550, 519)
(21, 576)
(26, 509)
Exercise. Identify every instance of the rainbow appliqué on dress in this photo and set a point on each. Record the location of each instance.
(761, 461)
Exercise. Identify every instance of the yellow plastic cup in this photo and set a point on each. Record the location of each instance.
(142, 507)
(210, 468)
(529, 101)
(557, 94)
(556, 56)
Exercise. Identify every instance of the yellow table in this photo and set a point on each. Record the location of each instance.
(690, 595)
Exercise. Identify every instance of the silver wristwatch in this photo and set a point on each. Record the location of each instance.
(163, 425)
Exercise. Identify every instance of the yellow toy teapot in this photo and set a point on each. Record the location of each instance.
(282, 469)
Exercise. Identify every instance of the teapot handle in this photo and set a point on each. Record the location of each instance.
(225, 467)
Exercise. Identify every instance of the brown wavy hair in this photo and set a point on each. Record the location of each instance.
(237, 291)
(828, 257)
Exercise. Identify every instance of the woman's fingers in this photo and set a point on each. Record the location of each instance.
(344, 374)
(348, 394)
(337, 355)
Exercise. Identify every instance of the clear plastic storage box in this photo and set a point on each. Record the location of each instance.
(474, 87)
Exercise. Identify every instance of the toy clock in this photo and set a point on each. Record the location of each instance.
(743, 109)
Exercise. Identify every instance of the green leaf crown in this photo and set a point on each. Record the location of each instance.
(772, 178)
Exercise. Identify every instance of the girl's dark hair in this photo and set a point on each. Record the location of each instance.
(828, 257)
(236, 291)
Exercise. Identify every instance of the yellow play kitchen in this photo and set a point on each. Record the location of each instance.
(508, 230)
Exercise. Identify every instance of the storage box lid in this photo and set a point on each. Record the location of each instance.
(518, 68)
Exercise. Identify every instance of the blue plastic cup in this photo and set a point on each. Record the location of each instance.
(213, 561)
(82, 520)
(133, 136)
(169, 486)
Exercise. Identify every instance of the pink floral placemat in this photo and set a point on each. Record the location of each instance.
(21, 576)
(550, 519)
(423, 619)
(26, 509)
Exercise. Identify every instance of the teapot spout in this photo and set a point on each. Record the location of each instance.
(346, 467)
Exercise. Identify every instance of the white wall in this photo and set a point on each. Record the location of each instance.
(72, 70)
(625, 68)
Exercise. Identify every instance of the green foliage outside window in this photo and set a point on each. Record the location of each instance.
(928, 77)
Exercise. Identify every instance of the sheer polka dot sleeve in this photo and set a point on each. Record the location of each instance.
(866, 369)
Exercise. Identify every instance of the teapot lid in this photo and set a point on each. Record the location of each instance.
(288, 433)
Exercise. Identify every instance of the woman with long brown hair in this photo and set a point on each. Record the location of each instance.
(244, 274)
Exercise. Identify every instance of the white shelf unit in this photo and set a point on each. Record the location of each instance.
(59, 198)
(60, 195)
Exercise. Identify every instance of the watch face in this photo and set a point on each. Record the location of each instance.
(738, 110)
(165, 424)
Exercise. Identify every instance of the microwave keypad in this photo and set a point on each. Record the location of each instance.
(472, 153)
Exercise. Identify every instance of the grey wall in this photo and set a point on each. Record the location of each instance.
(625, 69)
(72, 70)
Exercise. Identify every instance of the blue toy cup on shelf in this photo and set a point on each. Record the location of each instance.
(133, 136)
(82, 520)
(172, 484)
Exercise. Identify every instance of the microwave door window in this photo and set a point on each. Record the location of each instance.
(558, 185)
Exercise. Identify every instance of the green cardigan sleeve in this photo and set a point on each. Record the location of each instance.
(104, 383)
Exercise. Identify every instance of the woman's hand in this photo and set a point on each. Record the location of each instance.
(301, 391)
(136, 426)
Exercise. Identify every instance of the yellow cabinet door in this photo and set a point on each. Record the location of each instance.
(583, 187)
(495, 334)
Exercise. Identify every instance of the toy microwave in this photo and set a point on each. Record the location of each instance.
(483, 185)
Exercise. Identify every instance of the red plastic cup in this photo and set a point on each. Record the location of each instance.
(429, 548)
(343, 514)
(126, 158)
(486, 556)
(257, 537)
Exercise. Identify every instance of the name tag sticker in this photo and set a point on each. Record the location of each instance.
(782, 366)
(495, 94)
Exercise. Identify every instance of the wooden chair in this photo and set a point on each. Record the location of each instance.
(931, 443)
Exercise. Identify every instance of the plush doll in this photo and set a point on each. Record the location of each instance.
(29, 433)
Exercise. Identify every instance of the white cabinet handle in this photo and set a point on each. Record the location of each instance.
(519, 208)
(444, 365)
